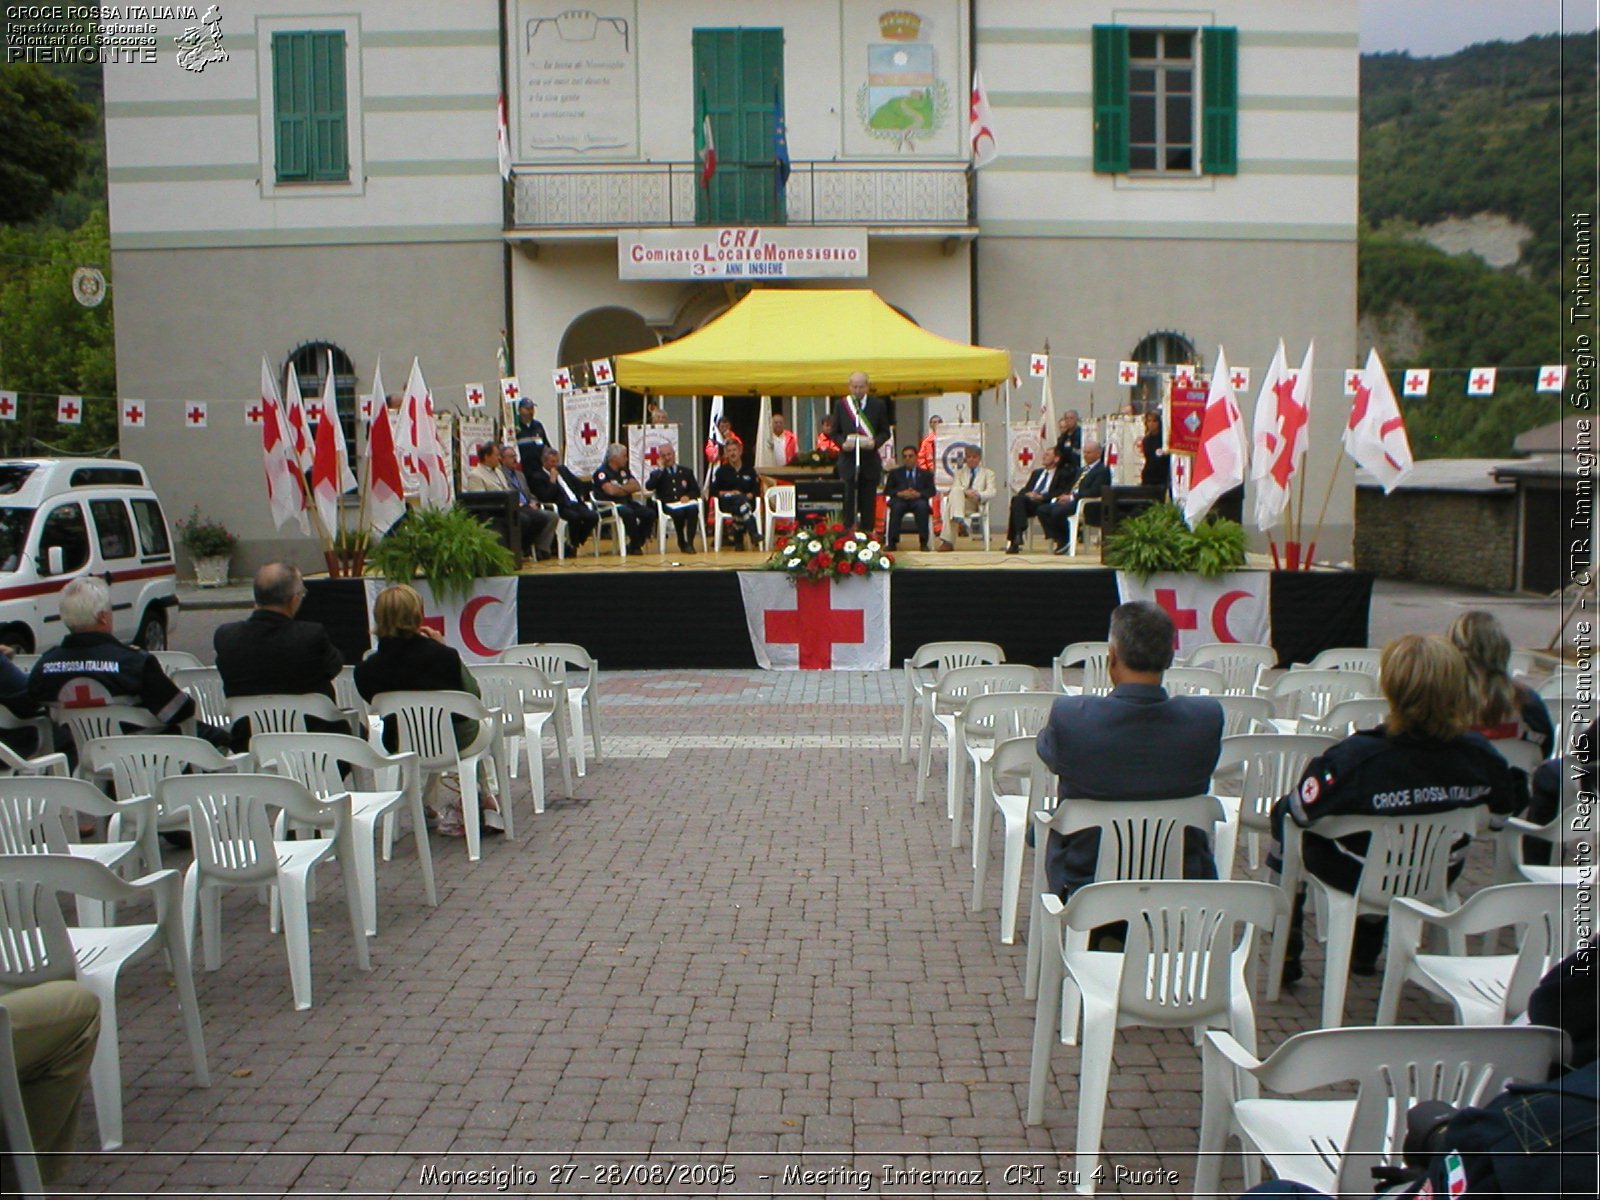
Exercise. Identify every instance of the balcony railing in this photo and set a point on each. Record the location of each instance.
(603, 196)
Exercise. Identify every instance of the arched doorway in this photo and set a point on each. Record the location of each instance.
(310, 363)
(1157, 355)
(605, 332)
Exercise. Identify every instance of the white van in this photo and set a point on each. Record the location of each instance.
(61, 518)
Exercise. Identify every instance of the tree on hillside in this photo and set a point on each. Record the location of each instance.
(42, 123)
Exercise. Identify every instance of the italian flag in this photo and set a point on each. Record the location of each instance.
(708, 144)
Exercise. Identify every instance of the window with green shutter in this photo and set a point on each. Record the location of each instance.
(1147, 116)
(1220, 80)
(308, 99)
(738, 77)
(1111, 98)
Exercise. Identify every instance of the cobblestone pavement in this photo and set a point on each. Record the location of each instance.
(740, 945)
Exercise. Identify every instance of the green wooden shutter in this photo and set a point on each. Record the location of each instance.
(736, 71)
(330, 154)
(1219, 146)
(1111, 99)
(291, 104)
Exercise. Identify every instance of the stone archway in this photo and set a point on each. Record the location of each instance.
(605, 332)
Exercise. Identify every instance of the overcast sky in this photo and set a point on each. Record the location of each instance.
(1427, 27)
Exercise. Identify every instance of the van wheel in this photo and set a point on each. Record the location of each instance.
(18, 636)
(152, 630)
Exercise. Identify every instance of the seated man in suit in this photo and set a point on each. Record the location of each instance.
(613, 482)
(910, 490)
(972, 486)
(1055, 515)
(675, 486)
(538, 527)
(1135, 743)
(552, 482)
(1045, 485)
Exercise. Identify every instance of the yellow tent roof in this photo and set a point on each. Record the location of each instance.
(806, 342)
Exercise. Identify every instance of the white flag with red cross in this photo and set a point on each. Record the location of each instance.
(476, 397)
(511, 391)
(8, 406)
(600, 368)
(980, 125)
(1085, 371)
(1480, 381)
(421, 439)
(1038, 365)
(194, 414)
(561, 379)
(1551, 379)
(1026, 452)
(1280, 434)
(645, 443)
(1235, 607)
(134, 413)
(69, 410)
(286, 499)
(1219, 464)
(1352, 381)
(1240, 378)
(478, 626)
(805, 625)
(586, 422)
(294, 413)
(1127, 373)
(1375, 435)
(1415, 381)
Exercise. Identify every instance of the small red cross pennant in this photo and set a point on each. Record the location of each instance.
(256, 413)
(1038, 365)
(602, 371)
(194, 414)
(69, 410)
(1480, 381)
(1352, 380)
(366, 408)
(475, 398)
(1416, 381)
(1551, 379)
(510, 390)
(1240, 378)
(133, 412)
(1183, 375)
(8, 406)
(1086, 370)
(314, 411)
(1127, 373)
(562, 378)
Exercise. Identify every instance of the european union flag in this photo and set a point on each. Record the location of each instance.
(780, 142)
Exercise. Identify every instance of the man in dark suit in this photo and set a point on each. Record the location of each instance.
(860, 426)
(1047, 484)
(1054, 516)
(910, 490)
(1136, 743)
(675, 486)
(552, 482)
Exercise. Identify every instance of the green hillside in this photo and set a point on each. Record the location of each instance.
(1502, 129)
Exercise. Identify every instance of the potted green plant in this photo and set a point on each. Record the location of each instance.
(209, 544)
(1158, 540)
(448, 548)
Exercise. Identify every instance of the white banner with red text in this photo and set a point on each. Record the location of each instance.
(817, 625)
(479, 625)
(1236, 607)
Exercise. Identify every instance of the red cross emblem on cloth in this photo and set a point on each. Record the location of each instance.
(815, 625)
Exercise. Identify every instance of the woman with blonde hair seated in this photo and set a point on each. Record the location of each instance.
(1502, 707)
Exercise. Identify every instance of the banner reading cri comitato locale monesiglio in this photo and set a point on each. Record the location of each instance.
(743, 252)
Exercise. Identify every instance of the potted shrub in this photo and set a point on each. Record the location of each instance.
(449, 548)
(210, 544)
(1158, 541)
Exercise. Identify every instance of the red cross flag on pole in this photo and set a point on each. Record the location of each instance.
(285, 489)
(980, 125)
(133, 414)
(8, 406)
(511, 390)
(1375, 435)
(1551, 379)
(562, 379)
(1038, 365)
(1352, 381)
(475, 396)
(1271, 454)
(1240, 378)
(69, 410)
(1085, 372)
(1183, 375)
(601, 369)
(1416, 382)
(1480, 381)
(1127, 373)
(1219, 464)
(194, 414)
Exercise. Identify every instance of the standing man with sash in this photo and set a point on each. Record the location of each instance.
(861, 425)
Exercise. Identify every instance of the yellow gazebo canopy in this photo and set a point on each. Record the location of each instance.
(806, 342)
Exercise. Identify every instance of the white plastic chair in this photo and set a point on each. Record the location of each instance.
(986, 721)
(1093, 657)
(1267, 766)
(231, 816)
(610, 521)
(282, 713)
(778, 503)
(527, 702)
(44, 731)
(136, 763)
(1139, 839)
(1484, 989)
(1407, 856)
(1562, 832)
(1347, 716)
(1307, 694)
(1194, 681)
(37, 945)
(175, 660)
(1332, 1145)
(955, 687)
(1019, 784)
(349, 699)
(664, 523)
(316, 760)
(423, 726)
(1182, 967)
(1562, 683)
(34, 819)
(582, 682)
(86, 724)
(204, 686)
(922, 671)
(12, 763)
(1241, 663)
(715, 516)
(1349, 658)
(1078, 528)
(1245, 714)
(14, 1119)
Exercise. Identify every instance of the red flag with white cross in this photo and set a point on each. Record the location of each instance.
(69, 410)
(133, 414)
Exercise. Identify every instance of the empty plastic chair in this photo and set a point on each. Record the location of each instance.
(922, 671)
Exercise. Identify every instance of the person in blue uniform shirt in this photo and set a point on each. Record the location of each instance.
(675, 486)
(531, 437)
(910, 490)
(737, 490)
(613, 482)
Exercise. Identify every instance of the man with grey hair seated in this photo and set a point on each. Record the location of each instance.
(614, 483)
(1136, 743)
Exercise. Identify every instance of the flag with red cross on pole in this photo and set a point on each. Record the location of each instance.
(1038, 365)
(561, 378)
(1085, 372)
(510, 390)
(1127, 373)
(69, 410)
(1239, 377)
(1352, 381)
(1480, 381)
(8, 406)
(475, 396)
(1551, 379)
(1415, 382)
(601, 369)
(194, 414)
(133, 414)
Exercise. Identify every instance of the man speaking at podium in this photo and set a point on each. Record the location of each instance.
(861, 425)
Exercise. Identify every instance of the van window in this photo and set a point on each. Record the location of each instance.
(112, 527)
(152, 527)
(65, 527)
(108, 477)
(14, 526)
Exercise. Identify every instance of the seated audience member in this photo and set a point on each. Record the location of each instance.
(785, 447)
(410, 657)
(826, 442)
(91, 667)
(1422, 759)
(719, 439)
(54, 1029)
(15, 700)
(972, 486)
(1134, 743)
(676, 487)
(737, 490)
(272, 653)
(613, 482)
(927, 449)
(1046, 484)
(1057, 515)
(1157, 469)
(537, 527)
(910, 490)
(1501, 706)
(554, 483)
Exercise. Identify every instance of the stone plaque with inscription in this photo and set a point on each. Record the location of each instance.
(577, 81)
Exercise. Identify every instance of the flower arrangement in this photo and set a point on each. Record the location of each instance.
(824, 551)
(205, 537)
(817, 458)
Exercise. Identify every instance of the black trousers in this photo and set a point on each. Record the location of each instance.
(861, 482)
(1023, 507)
(638, 519)
(581, 522)
(920, 509)
(683, 520)
(741, 512)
